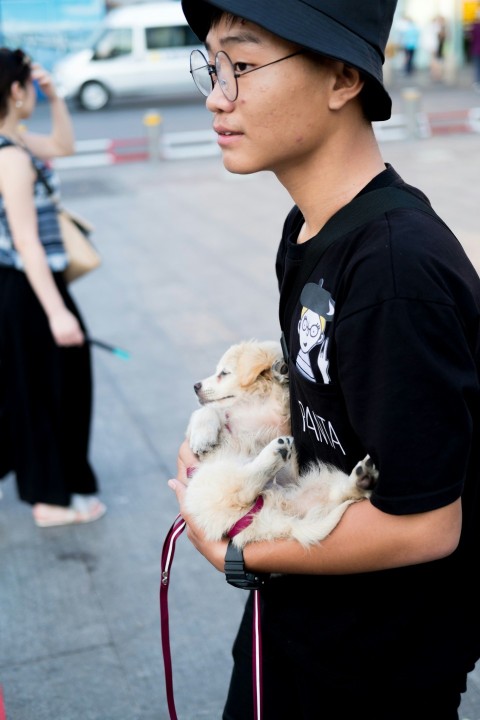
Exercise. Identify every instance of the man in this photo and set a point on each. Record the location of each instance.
(379, 620)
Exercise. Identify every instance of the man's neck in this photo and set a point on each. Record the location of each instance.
(331, 178)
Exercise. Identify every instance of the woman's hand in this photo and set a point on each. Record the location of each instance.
(61, 140)
(213, 551)
(44, 80)
(65, 328)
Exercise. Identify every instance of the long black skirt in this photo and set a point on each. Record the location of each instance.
(45, 398)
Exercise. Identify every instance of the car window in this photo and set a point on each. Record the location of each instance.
(158, 38)
(113, 43)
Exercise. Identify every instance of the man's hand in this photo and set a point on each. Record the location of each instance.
(213, 551)
(187, 461)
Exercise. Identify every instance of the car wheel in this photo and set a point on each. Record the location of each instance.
(93, 96)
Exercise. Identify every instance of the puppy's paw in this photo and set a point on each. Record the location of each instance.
(201, 446)
(283, 446)
(365, 474)
(275, 456)
(203, 430)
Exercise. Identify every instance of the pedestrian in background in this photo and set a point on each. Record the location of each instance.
(434, 41)
(45, 368)
(380, 620)
(475, 51)
(410, 40)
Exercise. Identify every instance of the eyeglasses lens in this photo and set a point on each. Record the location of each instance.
(200, 72)
(226, 76)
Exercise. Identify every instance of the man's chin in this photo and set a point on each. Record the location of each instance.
(237, 167)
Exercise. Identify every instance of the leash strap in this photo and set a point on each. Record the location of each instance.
(168, 553)
(257, 659)
(240, 525)
(246, 520)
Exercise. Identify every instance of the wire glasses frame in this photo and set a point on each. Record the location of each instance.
(202, 72)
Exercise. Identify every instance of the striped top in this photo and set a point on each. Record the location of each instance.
(48, 228)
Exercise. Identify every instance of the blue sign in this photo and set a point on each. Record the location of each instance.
(49, 29)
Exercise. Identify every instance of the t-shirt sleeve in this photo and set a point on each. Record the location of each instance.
(406, 370)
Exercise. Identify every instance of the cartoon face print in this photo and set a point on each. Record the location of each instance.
(310, 329)
(318, 309)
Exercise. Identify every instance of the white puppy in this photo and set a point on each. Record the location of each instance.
(240, 435)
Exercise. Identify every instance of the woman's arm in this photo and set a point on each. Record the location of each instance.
(20, 209)
(366, 539)
(61, 140)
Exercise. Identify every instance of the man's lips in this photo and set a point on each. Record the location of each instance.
(225, 132)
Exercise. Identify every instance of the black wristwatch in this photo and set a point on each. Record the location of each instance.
(235, 573)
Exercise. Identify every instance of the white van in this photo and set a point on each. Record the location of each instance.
(142, 49)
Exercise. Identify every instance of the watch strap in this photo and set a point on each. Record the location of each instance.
(235, 573)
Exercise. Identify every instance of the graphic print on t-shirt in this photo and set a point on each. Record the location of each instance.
(318, 309)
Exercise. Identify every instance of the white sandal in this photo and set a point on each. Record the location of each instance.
(82, 509)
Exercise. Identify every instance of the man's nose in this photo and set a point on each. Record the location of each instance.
(217, 100)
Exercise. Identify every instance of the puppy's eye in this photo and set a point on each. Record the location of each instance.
(222, 373)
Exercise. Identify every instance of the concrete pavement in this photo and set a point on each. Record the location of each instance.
(188, 269)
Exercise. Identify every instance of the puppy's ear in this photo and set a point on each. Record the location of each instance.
(252, 362)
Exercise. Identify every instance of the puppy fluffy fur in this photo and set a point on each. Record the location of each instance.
(240, 434)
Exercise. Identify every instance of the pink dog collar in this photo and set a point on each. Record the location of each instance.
(246, 520)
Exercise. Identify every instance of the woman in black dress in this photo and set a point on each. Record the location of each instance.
(45, 369)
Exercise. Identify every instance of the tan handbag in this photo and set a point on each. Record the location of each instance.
(75, 232)
(82, 256)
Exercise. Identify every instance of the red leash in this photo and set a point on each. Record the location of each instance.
(168, 552)
(257, 658)
(240, 525)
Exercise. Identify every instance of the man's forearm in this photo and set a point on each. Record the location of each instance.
(365, 540)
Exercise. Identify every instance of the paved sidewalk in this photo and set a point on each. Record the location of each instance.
(188, 269)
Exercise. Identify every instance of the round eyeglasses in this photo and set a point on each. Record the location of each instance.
(202, 72)
(311, 330)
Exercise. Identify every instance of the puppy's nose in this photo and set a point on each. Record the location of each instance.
(197, 387)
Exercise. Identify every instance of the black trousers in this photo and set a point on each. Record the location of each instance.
(295, 691)
(45, 398)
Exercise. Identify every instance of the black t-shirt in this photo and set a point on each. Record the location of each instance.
(384, 359)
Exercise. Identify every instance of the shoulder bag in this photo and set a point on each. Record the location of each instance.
(75, 231)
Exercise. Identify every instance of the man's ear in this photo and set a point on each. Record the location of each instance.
(348, 84)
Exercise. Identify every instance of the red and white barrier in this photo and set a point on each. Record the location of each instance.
(203, 143)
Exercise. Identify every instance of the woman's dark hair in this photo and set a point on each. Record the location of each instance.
(15, 66)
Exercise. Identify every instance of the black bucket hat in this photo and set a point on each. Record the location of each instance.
(353, 31)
